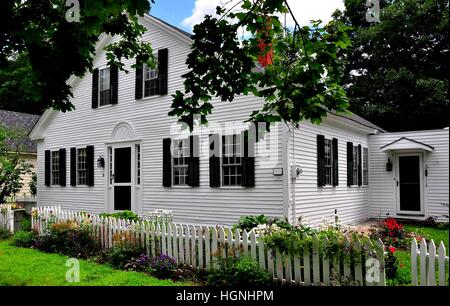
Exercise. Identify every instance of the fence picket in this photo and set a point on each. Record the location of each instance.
(358, 264)
(193, 247)
(431, 263)
(414, 247)
(244, 243)
(187, 245)
(347, 251)
(326, 263)
(207, 246)
(169, 240)
(423, 263)
(441, 259)
(279, 262)
(222, 247)
(306, 266)
(175, 243)
(261, 252)
(181, 244)
(316, 260)
(200, 247)
(253, 245)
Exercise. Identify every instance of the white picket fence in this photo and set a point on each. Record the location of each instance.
(7, 217)
(429, 264)
(200, 246)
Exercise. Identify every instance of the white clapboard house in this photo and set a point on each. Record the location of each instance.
(120, 150)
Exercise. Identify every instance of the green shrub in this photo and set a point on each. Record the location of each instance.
(23, 239)
(126, 214)
(25, 224)
(249, 222)
(238, 272)
(118, 257)
(68, 238)
(4, 233)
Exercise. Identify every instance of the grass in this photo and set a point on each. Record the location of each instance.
(404, 256)
(28, 267)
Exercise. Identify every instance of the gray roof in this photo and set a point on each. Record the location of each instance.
(360, 120)
(15, 120)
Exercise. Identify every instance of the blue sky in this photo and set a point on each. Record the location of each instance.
(186, 13)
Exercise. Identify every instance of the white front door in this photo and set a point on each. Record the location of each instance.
(410, 184)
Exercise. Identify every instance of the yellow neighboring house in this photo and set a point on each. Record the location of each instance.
(16, 120)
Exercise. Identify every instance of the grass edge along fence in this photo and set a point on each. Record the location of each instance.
(200, 247)
(425, 258)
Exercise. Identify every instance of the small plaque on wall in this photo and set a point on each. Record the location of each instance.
(278, 171)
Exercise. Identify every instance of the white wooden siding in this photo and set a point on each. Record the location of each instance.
(148, 117)
(317, 204)
(382, 185)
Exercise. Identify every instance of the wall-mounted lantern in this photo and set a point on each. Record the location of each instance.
(100, 162)
(389, 165)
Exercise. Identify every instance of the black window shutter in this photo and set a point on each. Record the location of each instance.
(73, 166)
(95, 88)
(248, 162)
(62, 167)
(194, 162)
(214, 160)
(90, 165)
(138, 88)
(47, 165)
(335, 153)
(163, 61)
(349, 163)
(359, 166)
(167, 163)
(114, 84)
(320, 160)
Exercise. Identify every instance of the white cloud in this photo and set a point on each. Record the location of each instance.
(304, 10)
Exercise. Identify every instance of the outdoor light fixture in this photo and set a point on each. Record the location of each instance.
(100, 162)
(389, 165)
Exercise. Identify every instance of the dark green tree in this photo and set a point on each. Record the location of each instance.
(17, 86)
(397, 69)
(301, 80)
(59, 41)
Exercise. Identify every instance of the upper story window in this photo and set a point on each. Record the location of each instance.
(231, 160)
(55, 168)
(105, 86)
(81, 166)
(328, 162)
(365, 168)
(151, 80)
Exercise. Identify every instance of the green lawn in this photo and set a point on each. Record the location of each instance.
(20, 266)
(404, 257)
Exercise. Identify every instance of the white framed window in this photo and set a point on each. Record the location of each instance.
(105, 86)
(355, 165)
(138, 164)
(81, 166)
(151, 81)
(55, 168)
(365, 166)
(231, 160)
(180, 151)
(328, 162)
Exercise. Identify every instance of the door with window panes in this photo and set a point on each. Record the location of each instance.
(124, 177)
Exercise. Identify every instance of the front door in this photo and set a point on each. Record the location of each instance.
(122, 182)
(409, 184)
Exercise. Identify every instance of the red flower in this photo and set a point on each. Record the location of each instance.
(392, 249)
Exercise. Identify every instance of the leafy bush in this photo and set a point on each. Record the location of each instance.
(141, 263)
(391, 233)
(119, 256)
(249, 222)
(23, 239)
(25, 223)
(243, 271)
(4, 233)
(126, 214)
(68, 238)
(163, 266)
